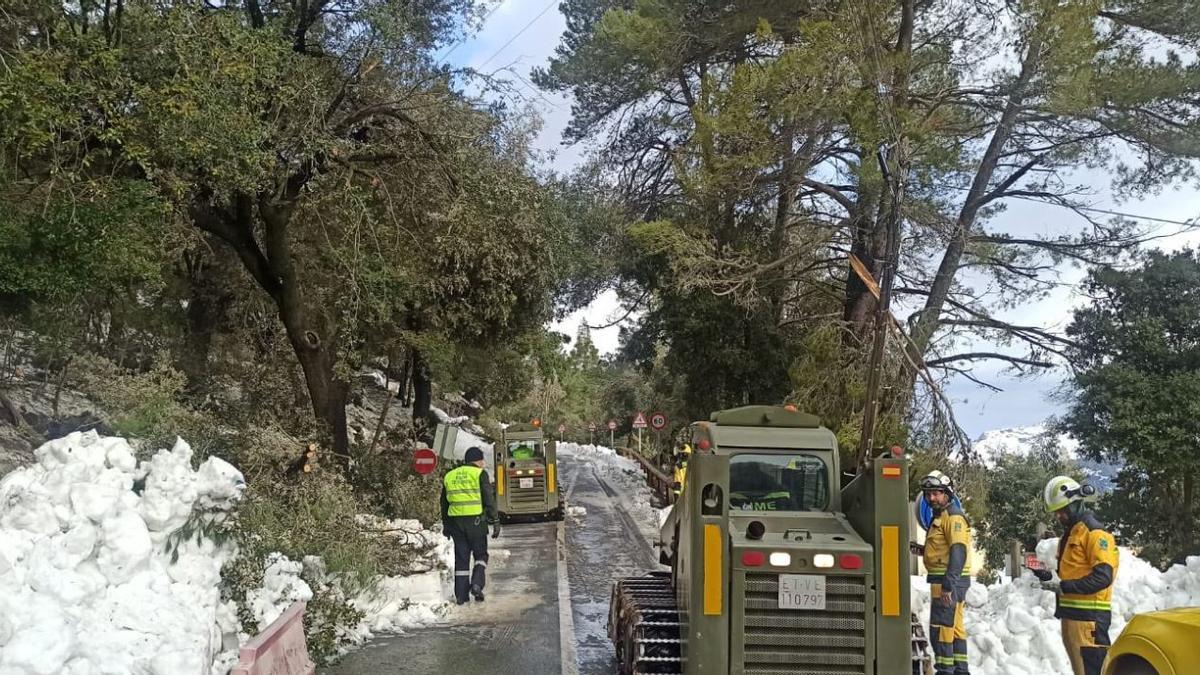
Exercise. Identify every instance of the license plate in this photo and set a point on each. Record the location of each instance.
(526, 482)
(801, 591)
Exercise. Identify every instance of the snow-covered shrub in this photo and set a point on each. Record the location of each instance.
(314, 518)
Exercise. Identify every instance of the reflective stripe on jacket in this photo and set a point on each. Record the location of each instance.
(947, 546)
(1087, 565)
(462, 491)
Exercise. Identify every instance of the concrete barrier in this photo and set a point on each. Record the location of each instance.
(278, 650)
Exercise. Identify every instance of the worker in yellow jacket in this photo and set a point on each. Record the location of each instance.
(947, 544)
(1087, 568)
(681, 462)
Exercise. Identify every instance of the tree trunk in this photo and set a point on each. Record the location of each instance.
(204, 305)
(422, 387)
(930, 316)
(326, 392)
(271, 265)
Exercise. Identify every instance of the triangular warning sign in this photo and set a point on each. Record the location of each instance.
(639, 422)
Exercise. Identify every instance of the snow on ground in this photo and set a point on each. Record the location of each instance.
(87, 584)
(1011, 626)
(623, 475)
(400, 603)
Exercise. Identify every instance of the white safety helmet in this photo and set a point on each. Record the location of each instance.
(1062, 491)
(936, 480)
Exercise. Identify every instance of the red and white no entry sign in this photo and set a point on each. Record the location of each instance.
(639, 422)
(612, 425)
(658, 421)
(424, 461)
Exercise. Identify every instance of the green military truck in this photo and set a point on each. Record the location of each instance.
(526, 481)
(774, 569)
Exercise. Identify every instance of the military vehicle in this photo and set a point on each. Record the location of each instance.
(526, 484)
(773, 568)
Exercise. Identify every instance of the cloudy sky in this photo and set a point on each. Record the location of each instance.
(521, 34)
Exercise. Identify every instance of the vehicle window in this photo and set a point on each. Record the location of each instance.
(778, 482)
(525, 449)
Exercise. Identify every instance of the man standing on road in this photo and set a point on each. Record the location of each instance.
(947, 544)
(466, 497)
(1087, 567)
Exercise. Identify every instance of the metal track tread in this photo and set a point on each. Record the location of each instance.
(644, 626)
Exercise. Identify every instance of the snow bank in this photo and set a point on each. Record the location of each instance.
(623, 475)
(404, 602)
(1011, 626)
(87, 583)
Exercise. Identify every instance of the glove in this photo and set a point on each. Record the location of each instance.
(446, 530)
(1042, 575)
(495, 530)
(915, 548)
(1052, 586)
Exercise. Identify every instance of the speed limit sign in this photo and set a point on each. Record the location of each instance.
(658, 421)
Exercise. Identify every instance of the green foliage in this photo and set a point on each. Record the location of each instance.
(294, 518)
(101, 239)
(1136, 394)
(1013, 491)
(140, 405)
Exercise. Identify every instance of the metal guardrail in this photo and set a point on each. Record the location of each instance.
(658, 481)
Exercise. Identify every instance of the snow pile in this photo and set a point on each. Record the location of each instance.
(623, 475)
(1011, 626)
(421, 598)
(281, 587)
(87, 581)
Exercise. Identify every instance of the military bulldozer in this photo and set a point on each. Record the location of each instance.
(773, 568)
(526, 484)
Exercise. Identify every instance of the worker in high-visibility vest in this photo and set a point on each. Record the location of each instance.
(1087, 566)
(947, 546)
(468, 507)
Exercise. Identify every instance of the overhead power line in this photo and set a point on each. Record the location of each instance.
(465, 38)
(520, 32)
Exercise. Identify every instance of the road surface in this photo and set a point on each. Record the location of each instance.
(547, 605)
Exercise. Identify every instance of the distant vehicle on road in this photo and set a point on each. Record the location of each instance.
(1157, 643)
(526, 480)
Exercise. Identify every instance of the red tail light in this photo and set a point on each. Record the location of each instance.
(850, 562)
(753, 558)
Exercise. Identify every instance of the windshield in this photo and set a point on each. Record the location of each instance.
(778, 482)
(525, 449)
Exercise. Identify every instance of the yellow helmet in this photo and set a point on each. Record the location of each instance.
(1061, 491)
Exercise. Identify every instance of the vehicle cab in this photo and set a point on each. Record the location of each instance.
(526, 481)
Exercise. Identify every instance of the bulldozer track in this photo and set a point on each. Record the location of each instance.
(645, 627)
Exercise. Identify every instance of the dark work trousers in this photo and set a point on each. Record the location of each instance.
(470, 539)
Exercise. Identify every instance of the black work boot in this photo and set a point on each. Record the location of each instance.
(478, 593)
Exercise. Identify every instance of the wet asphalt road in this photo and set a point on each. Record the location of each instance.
(603, 545)
(519, 628)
